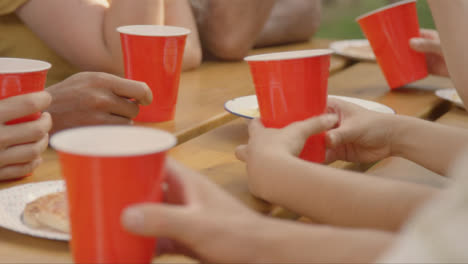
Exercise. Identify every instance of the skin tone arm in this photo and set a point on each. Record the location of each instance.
(291, 21)
(84, 31)
(197, 211)
(449, 15)
(327, 195)
(229, 29)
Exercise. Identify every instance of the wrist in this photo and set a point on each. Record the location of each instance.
(401, 127)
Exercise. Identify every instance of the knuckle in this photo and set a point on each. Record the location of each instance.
(100, 102)
(32, 104)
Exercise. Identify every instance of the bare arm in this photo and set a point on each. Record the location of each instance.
(449, 17)
(337, 197)
(433, 146)
(229, 29)
(299, 243)
(84, 31)
(197, 211)
(291, 21)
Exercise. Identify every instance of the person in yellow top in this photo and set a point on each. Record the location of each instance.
(80, 35)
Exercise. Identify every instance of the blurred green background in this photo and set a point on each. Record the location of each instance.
(338, 19)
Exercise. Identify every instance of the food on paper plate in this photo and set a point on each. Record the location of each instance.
(363, 51)
(254, 113)
(49, 212)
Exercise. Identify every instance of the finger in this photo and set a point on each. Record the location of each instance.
(175, 193)
(123, 107)
(111, 119)
(157, 220)
(330, 156)
(241, 153)
(429, 34)
(426, 45)
(169, 246)
(23, 105)
(25, 132)
(18, 171)
(338, 137)
(313, 125)
(23, 153)
(139, 91)
(254, 126)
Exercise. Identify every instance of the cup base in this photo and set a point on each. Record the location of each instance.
(395, 84)
(157, 116)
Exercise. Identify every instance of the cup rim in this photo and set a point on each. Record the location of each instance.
(384, 8)
(289, 55)
(13, 65)
(62, 141)
(157, 30)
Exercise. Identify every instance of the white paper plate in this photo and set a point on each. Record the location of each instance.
(14, 200)
(345, 48)
(450, 95)
(247, 106)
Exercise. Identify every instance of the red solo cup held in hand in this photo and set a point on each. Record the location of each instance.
(22, 76)
(153, 54)
(389, 30)
(106, 169)
(291, 87)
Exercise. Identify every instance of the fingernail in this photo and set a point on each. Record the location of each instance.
(133, 219)
(331, 119)
(416, 41)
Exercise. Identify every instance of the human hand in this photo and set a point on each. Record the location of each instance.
(429, 43)
(198, 219)
(361, 136)
(289, 140)
(91, 98)
(21, 144)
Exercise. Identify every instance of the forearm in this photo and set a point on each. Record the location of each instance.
(449, 16)
(128, 12)
(229, 29)
(291, 21)
(433, 146)
(287, 242)
(338, 197)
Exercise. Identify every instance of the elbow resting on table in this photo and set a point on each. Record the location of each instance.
(192, 59)
(231, 48)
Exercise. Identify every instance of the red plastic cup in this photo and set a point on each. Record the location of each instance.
(153, 54)
(389, 30)
(106, 169)
(291, 87)
(22, 76)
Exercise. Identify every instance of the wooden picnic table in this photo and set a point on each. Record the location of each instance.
(208, 135)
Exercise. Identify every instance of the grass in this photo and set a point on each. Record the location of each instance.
(339, 18)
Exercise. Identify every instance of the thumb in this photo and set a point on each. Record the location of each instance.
(426, 45)
(337, 137)
(314, 125)
(241, 153)
(156, 220)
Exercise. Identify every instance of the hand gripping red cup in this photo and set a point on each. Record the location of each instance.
(389, 30)
(106, 169)
(291, 87)
(22, 76)
(153, 54)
